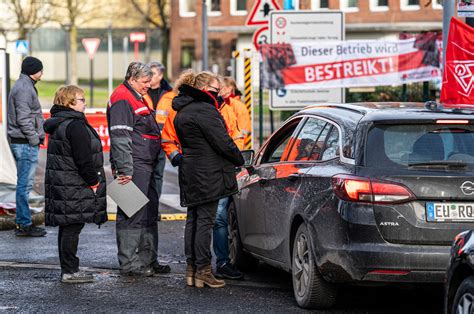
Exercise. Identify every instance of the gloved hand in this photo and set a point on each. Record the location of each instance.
(176, 160)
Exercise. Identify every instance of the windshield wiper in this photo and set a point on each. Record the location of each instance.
(440, 164)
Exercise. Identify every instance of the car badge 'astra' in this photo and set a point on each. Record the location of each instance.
(467, 188)
(389, 223)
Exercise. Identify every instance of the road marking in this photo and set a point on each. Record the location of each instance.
(164, 217)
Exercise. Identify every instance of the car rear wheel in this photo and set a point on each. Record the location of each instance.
(310, 288)
(240, 259)
(463, 301)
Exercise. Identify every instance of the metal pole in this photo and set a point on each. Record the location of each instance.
(110, 52)
(92, 82)
(136, 51)
(260, 104)
(66, 50)
(125, 52)
(426, 91)
(448, 12)
(204, 36)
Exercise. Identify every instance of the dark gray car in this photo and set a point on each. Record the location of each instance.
(357, 193)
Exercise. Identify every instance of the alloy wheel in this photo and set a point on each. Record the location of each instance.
(301, 260)
(465, 304)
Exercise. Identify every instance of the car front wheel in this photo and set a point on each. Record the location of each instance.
(310, 288)
(464, 297)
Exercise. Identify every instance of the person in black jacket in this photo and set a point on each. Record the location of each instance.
(206, 171)
(74, 180)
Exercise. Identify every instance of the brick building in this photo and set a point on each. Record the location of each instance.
(365, 19)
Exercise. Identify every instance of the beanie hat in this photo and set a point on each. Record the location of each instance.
(31, 65)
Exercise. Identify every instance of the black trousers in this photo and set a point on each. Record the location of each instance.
(198, 234)
(68, 240)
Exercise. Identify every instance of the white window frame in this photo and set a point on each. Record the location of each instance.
(374, 7)
(405, 7)
(234, 11)
(212, 13)
(437, 6)
(316, 5)
(343, 4)
(183, 13)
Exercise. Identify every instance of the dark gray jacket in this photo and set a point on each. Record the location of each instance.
(25, 119)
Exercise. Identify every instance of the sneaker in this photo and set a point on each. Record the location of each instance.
(228, 271)
(161, 268)
(29, 231)
(78, 277)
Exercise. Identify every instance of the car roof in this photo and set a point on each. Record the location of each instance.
(387, 112)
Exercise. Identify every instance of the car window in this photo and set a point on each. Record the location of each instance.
(305, 141)
(331, 149)
(279, 144)
(398, 146)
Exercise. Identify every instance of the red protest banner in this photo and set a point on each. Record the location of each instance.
(458, 79)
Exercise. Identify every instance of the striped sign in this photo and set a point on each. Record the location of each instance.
(248, 93)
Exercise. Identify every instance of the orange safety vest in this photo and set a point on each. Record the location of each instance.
(242, 114)
(232, 125)
(163, 108)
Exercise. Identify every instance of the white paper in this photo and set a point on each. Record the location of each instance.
(128, 197)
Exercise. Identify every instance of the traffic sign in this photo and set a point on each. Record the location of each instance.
(260, 14)
(137, 37)
(91, 45)
(22, 46)
(261, 37)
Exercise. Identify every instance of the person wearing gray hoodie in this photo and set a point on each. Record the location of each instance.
(25, 133)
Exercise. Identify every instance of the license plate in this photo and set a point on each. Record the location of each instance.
(450, 212)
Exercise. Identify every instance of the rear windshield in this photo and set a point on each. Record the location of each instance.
(403, 146)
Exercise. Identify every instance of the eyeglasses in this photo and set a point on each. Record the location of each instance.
(81, 99)
(217, 90)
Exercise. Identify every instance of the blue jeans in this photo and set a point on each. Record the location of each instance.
(26, 158)
(221, 233)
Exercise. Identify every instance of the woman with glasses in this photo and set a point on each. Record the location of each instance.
(206, 170)
(74, 180)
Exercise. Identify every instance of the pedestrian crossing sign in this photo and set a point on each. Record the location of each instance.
(22, 47)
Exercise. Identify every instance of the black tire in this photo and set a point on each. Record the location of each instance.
(240, 259)
(309, 287)
(463, 300)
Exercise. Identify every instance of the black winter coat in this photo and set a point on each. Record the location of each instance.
(69, 198)
(207, 170)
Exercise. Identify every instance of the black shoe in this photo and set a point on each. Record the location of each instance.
(30, 231)
(161, 269)
(142, 272)
(228, 271)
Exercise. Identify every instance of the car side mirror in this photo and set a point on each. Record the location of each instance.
(248, 157)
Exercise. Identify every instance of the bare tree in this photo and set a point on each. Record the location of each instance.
(29, 15)
(156, 13)
(71, 14)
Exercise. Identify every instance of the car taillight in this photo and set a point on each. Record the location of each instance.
(360, 189)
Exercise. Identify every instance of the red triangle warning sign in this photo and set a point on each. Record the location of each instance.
(261, 10)
(91, 45)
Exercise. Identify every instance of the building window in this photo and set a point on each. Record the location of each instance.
(350, 5)
(378, 5)
(437, 5)
(410, 5)
(187, 8)
(187, 54)
(214, 7)
(238, 7)
(319, 4)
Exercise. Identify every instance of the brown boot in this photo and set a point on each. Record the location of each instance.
(190, 273)
(204, 276)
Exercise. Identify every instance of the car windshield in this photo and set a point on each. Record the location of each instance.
(421, 146)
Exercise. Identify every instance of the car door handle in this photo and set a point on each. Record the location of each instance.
(294, 176)
(262, 181)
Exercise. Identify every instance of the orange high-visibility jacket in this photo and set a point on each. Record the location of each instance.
(163, 108)
(232, 125)
(242, 114)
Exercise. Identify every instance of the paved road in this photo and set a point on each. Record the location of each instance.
(29, 267)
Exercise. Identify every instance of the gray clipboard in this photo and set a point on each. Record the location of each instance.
(128, 197)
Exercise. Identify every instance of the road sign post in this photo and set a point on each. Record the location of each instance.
(91, 45)
(137, 37)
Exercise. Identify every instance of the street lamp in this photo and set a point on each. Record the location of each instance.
(67, 30)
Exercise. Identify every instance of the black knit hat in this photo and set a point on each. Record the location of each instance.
(31, 65)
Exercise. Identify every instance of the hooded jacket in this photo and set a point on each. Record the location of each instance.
(71, 170)
(207, 170)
